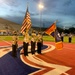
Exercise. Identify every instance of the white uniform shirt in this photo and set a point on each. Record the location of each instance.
(26, 37)
(33, 38)
(62, 34)
(15, 40)
(39, 38)
(70, 35)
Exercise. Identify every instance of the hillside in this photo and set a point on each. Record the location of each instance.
(6, 24)
(6, 21)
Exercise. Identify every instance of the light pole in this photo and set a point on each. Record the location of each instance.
(40, 11)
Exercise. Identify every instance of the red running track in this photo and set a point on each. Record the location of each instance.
(65, 57)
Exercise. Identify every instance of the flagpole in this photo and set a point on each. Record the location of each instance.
(40, 13)
(40, 20)
(27, 4)
(55, 23)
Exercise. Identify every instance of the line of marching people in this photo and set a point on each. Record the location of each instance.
(33, 40)
(69, 37)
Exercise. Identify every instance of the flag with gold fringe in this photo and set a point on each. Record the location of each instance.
(26, 22)
(58, 42)
(52, 30)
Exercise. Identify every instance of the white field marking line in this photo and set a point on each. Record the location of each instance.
(5, 46)
(58, 68)
(2, 53)
(37, 54)
(19, 45)
(50, 49)
(7, 42)
(29, 48)
(28, 63)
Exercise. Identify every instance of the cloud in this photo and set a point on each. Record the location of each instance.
(59, 7)
(34, 14)
(36, 1)
(67, 2)
(12, 3)
(16, 19)
(63, 10)
(22, 12)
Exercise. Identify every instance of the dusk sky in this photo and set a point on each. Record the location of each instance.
(61, 10)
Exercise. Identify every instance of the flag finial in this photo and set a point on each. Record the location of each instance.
(27, 6)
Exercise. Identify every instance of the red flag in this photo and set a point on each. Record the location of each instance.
(52, 30)
(26, 22)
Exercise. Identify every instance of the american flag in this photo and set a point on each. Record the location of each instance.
(26, 22)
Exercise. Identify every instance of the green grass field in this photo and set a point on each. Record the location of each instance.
(45, 38)
(50, 38)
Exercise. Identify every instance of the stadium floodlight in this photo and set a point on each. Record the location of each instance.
(41, 6)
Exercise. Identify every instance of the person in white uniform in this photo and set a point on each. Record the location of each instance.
(33, 42)
(26, 42)
(14, 44)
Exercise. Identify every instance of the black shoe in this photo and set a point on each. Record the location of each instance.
(25, 55)
(39, 53)
(33, 53)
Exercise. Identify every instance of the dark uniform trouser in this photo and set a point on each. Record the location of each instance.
(39, 45)
(62, 39)
(69, 40)
(33, 47)
(25, 46)
(14, 52)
